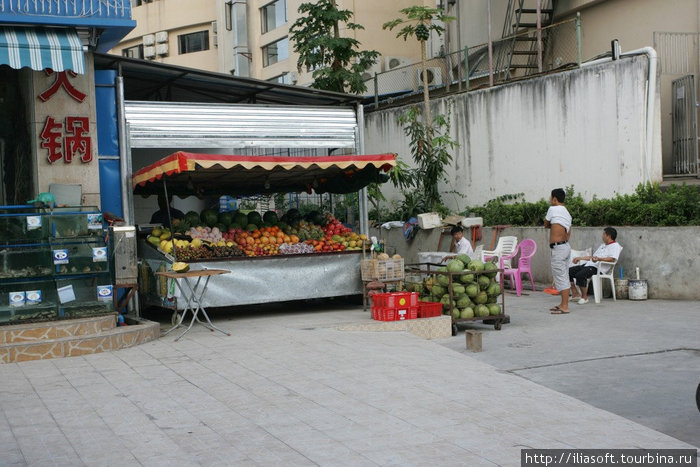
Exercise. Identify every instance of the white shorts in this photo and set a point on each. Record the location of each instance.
(560, 266)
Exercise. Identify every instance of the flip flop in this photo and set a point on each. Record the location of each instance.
(558, 311)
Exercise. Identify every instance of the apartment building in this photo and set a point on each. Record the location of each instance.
(250, 38)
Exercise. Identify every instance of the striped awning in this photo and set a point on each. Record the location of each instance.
(40, 48)
(217, 174)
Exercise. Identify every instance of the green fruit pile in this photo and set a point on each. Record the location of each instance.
(474, 288)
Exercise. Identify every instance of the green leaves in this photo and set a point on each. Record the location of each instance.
(426, 20)
(335, 62)
(649, 205)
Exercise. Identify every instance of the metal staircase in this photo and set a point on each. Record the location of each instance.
(522, 28)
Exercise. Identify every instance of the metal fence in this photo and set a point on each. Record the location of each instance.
(512, 58)
(69, 8)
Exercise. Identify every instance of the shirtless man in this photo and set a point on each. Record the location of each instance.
(558, 220)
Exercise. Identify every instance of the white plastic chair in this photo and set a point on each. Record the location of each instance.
(598, 280)
(505, 246)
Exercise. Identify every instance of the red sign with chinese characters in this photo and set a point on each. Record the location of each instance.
(71, 138)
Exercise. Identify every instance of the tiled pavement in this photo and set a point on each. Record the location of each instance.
(290, 389)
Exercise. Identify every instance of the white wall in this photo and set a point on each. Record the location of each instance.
(585, 128)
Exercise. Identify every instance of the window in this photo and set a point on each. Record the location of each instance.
(275, 52)
(133, 52)
(194, 42)
(273, 15)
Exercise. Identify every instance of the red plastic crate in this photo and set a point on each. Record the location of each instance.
(394, 314)
(429, 309)
(395, 299)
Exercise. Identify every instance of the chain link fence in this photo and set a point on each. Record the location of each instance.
(512, 58)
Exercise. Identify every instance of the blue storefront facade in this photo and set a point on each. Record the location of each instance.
(60, 115)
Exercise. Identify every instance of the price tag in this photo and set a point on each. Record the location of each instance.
(104, 293)
(94, 221)
(99, 254)
(66, 294)
(33, 222)
(60, 256)
(17, 298)
(34, 297)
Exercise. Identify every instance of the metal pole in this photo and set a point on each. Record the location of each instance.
(578, 36)
(170, 220)
(466, 67)
(539, 36)
(376, 91)
(488, 13)
(360, 145)
(123, 152)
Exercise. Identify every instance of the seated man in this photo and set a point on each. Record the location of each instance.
(462, 245)
(609, 251)
(161, 215)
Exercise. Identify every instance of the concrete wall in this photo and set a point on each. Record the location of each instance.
(583, 127)
(665, 256)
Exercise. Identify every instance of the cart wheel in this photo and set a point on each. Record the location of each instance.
(175, 318)
(497, 325)
(455, 330)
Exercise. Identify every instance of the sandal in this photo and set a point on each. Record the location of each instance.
(558, 311)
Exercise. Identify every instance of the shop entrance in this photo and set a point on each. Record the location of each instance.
(16, 166)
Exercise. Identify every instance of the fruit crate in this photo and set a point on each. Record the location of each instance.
(382, 269)
(429, 309)
(395, 306)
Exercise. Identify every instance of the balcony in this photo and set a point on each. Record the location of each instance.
(107, 21)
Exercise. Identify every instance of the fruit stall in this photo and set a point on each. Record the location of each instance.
(272, 256)
(469, 290)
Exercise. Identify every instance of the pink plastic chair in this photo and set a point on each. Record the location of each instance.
(527, 249)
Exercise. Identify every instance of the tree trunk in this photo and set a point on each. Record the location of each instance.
(426, 94)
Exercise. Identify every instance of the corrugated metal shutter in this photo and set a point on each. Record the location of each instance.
(187, 125)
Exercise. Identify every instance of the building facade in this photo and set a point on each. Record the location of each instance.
(250, 38)
(49, 133)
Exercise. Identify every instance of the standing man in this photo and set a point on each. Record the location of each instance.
(608, 252)
(558, 221)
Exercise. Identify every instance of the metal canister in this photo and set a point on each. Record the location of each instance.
(637, 289)
(621, 289)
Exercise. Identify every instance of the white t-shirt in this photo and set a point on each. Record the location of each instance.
(604, 251)
(463, 247)
(559, 215)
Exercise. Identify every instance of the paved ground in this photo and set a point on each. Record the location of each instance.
(638, 359)
(289, 389)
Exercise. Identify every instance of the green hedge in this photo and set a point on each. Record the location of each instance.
(649, 205)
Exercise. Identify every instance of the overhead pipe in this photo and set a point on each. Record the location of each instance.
(653, 58)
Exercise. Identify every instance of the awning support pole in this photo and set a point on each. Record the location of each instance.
(170, 220)
(360, 145)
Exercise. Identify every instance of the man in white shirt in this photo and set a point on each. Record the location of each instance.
(461, 244)
(558, 220)
(609, 251)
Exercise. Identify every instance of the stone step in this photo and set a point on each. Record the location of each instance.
(91, 335)
(30, 332)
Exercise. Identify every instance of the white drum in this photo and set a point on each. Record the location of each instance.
(637, 289)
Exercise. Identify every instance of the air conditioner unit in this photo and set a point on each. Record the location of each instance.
(368, 74)
(162, 50)
(292, 77)
(434, 77)
(213, 27)
(149, 40)
(394, 62)
(149, 52)
(161, 36)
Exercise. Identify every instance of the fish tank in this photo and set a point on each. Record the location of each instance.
(28, 300)
(85, 295)
(75, 222)
(83, 257)
(18, 261)
(24, 224)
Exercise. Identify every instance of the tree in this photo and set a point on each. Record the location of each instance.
(336, 62)
(418, 23)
